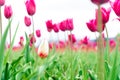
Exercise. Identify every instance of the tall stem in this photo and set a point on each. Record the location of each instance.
(100, 47)
(10, 34)
(33, 24)
(0, 24)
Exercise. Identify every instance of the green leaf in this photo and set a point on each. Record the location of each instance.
(2, 46)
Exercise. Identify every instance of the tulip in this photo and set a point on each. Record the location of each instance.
(38, 33)
(69, 24)
(72, 38)
(43, 49)
(92, 25)
(62, 25)
(85, 40)
(31, 7)
(49, 25)
(99, 2)
(2, 2)
(27, 21)
(56, 28)
(32, 39)
(115, 6)
(105, 14)
(112, 43)
(21, 41)
(8, 11)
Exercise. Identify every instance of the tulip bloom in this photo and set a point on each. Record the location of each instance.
(49, 25)
(8, 11)
(31, 7)
(115, 6)
(112, 43)
(69, 24)
(27, 21)
(43, 49)
(62, 26)
(99, 2)
(92, 25)
(2, 2)
(21, 41)
(32, 39)
(72, 38)
(56, 28)
(105, 14)
(38, 33)
(85, 40)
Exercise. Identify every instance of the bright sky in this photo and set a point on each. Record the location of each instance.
(80, 10)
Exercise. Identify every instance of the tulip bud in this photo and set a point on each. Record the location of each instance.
(27, 21)
(2, 2)
(8, 11)
(99, 2)
(43, 49)
(31, 7)
(38, 34)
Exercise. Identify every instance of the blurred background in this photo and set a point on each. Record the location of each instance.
(80, 10)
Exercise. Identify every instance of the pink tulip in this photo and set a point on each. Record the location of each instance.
(49, 25)
(32, 39)
(72, 38)
(99, 2)
(8, 11)
(21, 41)
(115, 6)
(2, 2)
(38, 33)
(112, 43)
(31, 7)
(27, 21)
(56, 28)
(69, 24)
(105, 14)
(85, 40)
(92, 25)
(62, 25)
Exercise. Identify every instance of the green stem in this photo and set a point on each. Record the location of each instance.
(0, 24)
(100, 72)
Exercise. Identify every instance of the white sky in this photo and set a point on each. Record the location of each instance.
(80, 10)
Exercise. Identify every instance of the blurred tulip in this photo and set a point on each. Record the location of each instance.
(8, 11)
(112, 43)
(62, 25)
(2, 2)
(115, 6)
(31, 7)
(32, 39)
(92, 25)
(38, 33)
(85, 40)
(99, 2)
(27, 21)
(105, 14)
(69, 24)
(49, 25)
(21, 42)
(72, 38)
(43, 49)
(56, 28)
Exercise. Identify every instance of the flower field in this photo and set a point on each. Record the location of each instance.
(69, 59)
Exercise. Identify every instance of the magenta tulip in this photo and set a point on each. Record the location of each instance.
(105, 14)
(112, 43)
(92, 25)
(38, 33)
(99, 2)
(8, 11)
(2, 2)
(85, 40)
(69, 24)
(27, 21)
(116, 7)
(62, 25)
(56, 28)
(31, 7)
(49, 25)
(72, 38)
